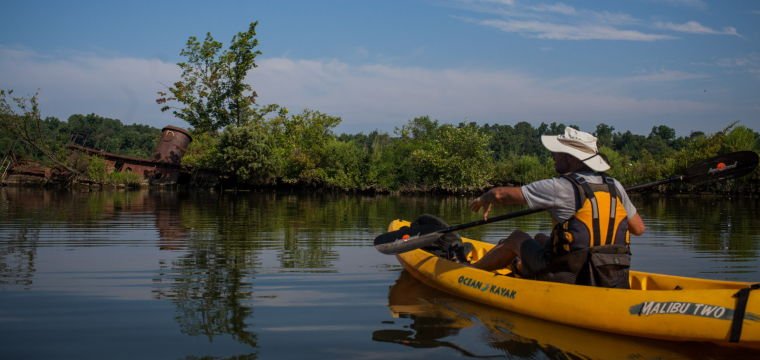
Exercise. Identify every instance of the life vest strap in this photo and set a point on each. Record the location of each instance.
(613, 208)
(597, 241)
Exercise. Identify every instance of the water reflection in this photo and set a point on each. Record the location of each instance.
(210, 287)
(438, 319)
(173, 234)
(217, 260)
(17, 258)
(709, 223)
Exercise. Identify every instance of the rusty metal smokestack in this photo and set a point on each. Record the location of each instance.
(172, 146)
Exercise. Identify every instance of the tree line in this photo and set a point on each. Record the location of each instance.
(302, 150)
(254, 145)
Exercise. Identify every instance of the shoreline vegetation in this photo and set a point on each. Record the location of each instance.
(247, 146)
(302, 153)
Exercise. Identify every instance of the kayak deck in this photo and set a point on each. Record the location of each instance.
(638, 280)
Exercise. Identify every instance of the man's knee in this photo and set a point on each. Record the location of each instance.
(517, 236)
(515, 240)
(541, 238)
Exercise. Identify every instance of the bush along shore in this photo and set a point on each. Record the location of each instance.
(301, 152)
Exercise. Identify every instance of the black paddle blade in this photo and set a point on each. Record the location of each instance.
(405, 242)
(721, 167)
(406, 232)
(408, 238)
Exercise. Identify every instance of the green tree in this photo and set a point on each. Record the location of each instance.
(345, 165)
(619, 165)
(663, 132)
(303, 140)
(381, 164)
(96, 169)
(739, 138)
(112, 136)
(528, 138)
(502, 142)
(604, 134)
(455, 159)
(420, 127)
(248, 152)
(213, 92)
(629, 144)
(523, 169)
(660, 140)
(203, 152)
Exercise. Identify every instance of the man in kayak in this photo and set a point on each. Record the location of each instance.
(592, 213)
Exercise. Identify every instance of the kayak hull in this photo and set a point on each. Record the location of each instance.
(657, 306)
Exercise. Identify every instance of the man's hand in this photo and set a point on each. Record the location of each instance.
(485, 202)
(505, 195)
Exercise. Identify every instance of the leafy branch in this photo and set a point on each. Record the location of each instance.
(20, 117)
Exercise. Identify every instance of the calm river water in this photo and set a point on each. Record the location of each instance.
(174, 275)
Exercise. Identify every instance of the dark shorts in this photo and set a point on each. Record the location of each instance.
(534, 257)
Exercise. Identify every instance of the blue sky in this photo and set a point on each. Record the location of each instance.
(693, 65)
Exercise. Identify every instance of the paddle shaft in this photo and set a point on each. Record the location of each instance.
(502, 217)
(526, 212)
(655, 183)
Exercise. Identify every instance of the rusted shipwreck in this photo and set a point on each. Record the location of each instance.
(163, 168)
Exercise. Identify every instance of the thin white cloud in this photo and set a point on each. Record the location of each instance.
(749, 64)
(693, 27)
(666, 76)
(696, 4)
(612, 18)
(736, 62)
(558, 8)
(552, 31)
(491, 2)
(560, 21)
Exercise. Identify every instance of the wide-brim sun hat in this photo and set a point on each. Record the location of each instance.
(581, 145)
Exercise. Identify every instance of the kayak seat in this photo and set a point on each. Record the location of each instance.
(449, 246)
(461, 252)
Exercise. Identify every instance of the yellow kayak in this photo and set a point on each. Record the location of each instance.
(657, 306)
(438, 317)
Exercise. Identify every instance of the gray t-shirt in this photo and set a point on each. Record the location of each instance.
(558, 196)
